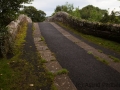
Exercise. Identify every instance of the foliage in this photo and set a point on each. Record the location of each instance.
(34, 14)
(89, 12)
(8, 12)
(66, 8)
(114, 58)
(18, 74)
(76, 13)
(112, 18)
(62, 71)
(92, 13)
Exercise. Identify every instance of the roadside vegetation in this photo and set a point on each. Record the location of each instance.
(90, 13)
(33, 13)
(17, 73)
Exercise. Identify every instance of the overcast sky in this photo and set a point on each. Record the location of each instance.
(48, 6)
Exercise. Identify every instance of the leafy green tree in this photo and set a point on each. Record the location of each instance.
(34, 14)
(8, 12)
(105, 18)
(112, 18)
(58, 8)
(76, 12)
(92, 13)
(66, 8)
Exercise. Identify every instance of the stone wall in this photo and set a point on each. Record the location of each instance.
(103, 30)
(13, 29)
(14, 26)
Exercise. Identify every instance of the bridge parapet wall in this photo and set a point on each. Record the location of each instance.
(103, 30)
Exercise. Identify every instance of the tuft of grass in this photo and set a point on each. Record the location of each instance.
(43, 61)
(54, 87)
(89, 52)
(62, 71)
(114, 58)
(42, 38)
(102, 60)
(100, 51)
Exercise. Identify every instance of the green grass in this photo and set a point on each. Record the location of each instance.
(43, 61)
(42, 38)
(5, 74)
(8, 76)
(62, 71)
(114, 58)
(54, 87)
(102, 60)
(89, 52)
(100, 51)
(99, 41)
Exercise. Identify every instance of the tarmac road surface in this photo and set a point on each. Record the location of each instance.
(85, 71)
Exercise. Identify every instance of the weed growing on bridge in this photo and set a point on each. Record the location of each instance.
(114, 58)
(100, 51)
(42, 38)
(89, 52)
(62, 71)
(102, 60)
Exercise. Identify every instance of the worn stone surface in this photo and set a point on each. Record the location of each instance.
(62, 81)
(14, 26)
(53, 66)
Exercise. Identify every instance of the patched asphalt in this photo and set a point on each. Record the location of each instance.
(85, 71)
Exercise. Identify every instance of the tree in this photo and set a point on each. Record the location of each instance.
(112, 18)
(8, 12)
(76, 12)
(34, 14)
(66, 8)
(92, 13)
(58, 8)
(105, 18)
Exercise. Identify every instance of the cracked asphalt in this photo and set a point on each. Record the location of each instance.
(85, 71)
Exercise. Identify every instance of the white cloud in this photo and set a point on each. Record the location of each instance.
(48, 6)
